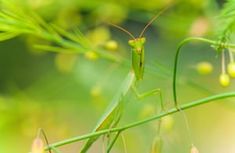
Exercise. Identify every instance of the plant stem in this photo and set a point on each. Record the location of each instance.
(231, 56)
(223, 67)
(138, 123)
(178, 51)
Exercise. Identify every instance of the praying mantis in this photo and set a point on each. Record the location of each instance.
(112, 117)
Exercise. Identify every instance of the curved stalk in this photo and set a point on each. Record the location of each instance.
(178, 51)
(138, 123)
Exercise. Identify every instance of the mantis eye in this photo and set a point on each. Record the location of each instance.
(143, 40)
(131, 42)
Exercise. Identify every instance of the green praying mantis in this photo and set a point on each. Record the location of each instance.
(113, 114)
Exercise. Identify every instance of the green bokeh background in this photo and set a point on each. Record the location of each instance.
(67, 94)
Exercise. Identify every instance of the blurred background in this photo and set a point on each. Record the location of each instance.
(66, 94)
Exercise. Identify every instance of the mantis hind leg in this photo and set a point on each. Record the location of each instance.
(111, 141)
(139, 96)
(149, 93)
(157, 142)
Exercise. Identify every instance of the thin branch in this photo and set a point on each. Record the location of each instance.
(178, 51)
(141, 122)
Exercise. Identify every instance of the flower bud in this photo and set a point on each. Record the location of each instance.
(111, 45)
(65, 62)
(156, 145)
(147, 111)
(167, 123)
(95, 91)
(204, 68)
(231, 69)
(98, 36)
(91, 55)
(224, 80)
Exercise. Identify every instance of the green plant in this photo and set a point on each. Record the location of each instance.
(113, 115)
(15, 22)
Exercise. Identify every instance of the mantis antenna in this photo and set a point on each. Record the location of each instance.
(124, 30)
(147, 25)
(45, 137)
(153, 19)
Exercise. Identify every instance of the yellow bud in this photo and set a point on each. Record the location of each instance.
(200, 27)
(147, 111)
(91, 55)
(99, 35)
(38, 146)
(156, 145)
(111, 45)
(204, 68)
(224, 80)
(167, 123)
(36, 4)
(96, 91)
(231, 69)
(194, 150)
(65, 62)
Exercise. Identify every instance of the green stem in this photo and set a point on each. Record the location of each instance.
(135, 124)
(113, 141)
(178, 51)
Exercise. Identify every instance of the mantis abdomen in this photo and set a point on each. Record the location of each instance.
(113, 114)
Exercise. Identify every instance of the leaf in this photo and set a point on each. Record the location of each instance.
(52, 48)
(7, 35)
(78, 37)
(227, 20)
(228, 8)
(15, 20)
(110, 121)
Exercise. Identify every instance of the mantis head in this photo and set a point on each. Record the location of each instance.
(137, 43)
